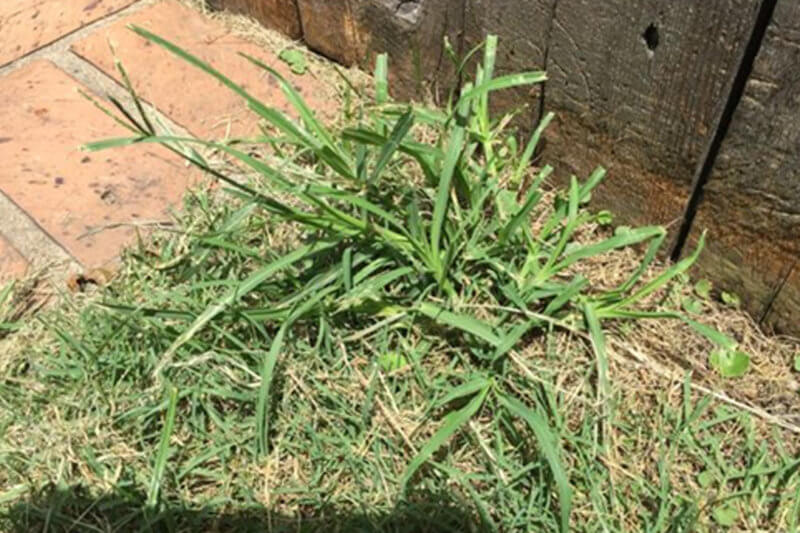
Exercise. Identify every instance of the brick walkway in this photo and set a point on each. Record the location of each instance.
(61, 205)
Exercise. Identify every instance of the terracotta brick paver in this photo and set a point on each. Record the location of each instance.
(12, 264)
(69, 192)
(190, 97)
(65, 202)
(30, 24)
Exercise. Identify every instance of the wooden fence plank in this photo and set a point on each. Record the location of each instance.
(637, 85)
(411, 32)
(751, 203)
(281, 15)
(523, 28)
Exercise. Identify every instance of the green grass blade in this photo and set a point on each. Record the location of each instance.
(424, 154)
(573, 199)
(454, 148)
(323, 146)
(154, 488)
(262, 404)
(599, 347)
(552, 266)
(622, 240)
(372, 286)
(257, 165)
(347, 268)
(106, 111)
(433, 117)
(485, 75)
(5, 292)
(713, 335)
(253, 281)
(268, 368)
(551, 449)
(520, 217)
(503, 82)
(489, 57)
(508, 341)
(412, 148)
(570, 291)
(116, 142)
(465, 323)
(594, 180)
(452, 422)
(257, 106)
(662, 279)
(340, 218)
(530, 148)
(305, 112)
(199, 63)
(647, 260)
(462, 391)
(134, 96)
(399, 133)
(382, 79)
(358, 202)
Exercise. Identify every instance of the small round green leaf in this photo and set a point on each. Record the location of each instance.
(295, 59)
(622, 230)
(391, 361)
(731, 300)
(692, 305)
(705, 478)
(604, 218)
(730, 363)
(725, 515)
(507, 203)
(703, 289)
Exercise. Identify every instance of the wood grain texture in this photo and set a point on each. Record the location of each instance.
(411, 32)
(281, 15)
(637, 85)
(523, 28)
(751, 203)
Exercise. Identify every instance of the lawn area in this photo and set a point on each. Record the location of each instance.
(404, 322)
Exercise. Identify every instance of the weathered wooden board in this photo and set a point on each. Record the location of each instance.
(281, 15)
(411, 32)
(637, 85)
(523, 28)
(751, 203)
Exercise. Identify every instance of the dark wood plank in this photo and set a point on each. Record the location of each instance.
(411, 32)
(523, 27)
(281, 15)
(637, 85)
(751, 203)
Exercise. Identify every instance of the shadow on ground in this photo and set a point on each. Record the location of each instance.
(73, 509)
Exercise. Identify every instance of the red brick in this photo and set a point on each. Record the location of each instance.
(12, 264)
(30, 24)
(190, 97)
(69, 192)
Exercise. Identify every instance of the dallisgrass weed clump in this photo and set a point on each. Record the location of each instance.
(389, 321)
